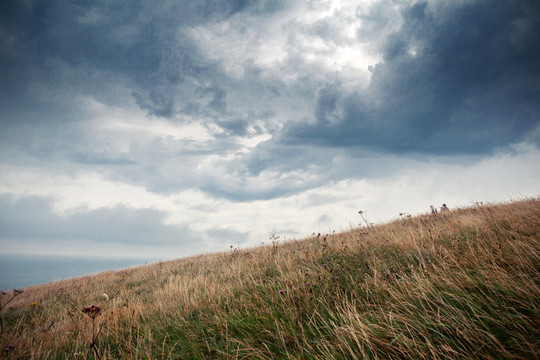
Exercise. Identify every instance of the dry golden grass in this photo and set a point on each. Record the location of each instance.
(462, 284)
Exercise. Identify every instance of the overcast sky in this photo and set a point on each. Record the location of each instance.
(171, 128)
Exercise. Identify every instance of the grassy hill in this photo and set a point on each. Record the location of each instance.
(462, 284)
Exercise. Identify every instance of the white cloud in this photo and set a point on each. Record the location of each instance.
(321, 35)
(80, 193)
(411, 187)
(121, 121)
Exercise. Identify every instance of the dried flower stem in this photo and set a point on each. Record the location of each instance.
(16, 292)
(92, 312)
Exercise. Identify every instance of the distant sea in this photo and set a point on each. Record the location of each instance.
(20, 271)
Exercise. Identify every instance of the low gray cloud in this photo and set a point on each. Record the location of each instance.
(32, 219)
(30, 222)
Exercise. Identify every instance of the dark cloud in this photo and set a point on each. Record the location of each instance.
(89, 47)
(101, 159)
(459, 79)
(328, 98)
(31, 221)
(32, 218)
(235, 126)
(456, 78)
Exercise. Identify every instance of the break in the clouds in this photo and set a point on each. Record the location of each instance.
(179, 127)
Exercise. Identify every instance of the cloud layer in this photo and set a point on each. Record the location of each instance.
(197, 124)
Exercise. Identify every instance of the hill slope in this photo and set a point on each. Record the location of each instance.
(458, 285)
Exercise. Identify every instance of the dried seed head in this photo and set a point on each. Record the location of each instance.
(92, 311)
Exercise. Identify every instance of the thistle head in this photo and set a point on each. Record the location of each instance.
(92, 311)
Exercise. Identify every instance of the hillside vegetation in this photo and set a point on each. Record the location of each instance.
(462, 284)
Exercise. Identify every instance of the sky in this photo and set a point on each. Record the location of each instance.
(174, 128)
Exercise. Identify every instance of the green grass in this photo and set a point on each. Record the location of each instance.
(458, 285)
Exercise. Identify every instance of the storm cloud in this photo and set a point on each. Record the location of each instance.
(460, 78)
(193, 125)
